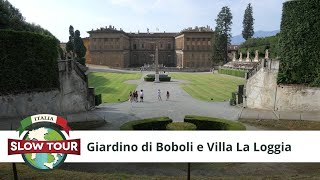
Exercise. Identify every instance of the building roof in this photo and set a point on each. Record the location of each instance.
(112, 29)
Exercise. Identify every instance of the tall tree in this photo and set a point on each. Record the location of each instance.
(248, 19)
(222, 36)
(79, 47)
(75, 46)
(70, 43)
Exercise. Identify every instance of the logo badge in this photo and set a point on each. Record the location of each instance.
(44, 146)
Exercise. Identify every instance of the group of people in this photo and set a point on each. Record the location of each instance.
(134, 96)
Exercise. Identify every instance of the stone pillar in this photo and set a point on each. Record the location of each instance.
(234, 56)
(156, 76)
(248, 57)
(256, 58)
(240, 58)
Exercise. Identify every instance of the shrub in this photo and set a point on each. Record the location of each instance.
(299, 43)
(181, 126)
(158, 123)
(28, 62)
(232, 72)
(209, 123)
(233, 98)
(162, 77)
(97, 99)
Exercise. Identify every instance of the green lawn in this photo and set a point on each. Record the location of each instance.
(207, 86)
(112, 86)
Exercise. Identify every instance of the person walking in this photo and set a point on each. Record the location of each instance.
(136, 96)
(159, 95)
(141, 95)
(168, 95)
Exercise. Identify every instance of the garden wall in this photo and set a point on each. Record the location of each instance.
(262, 92)
(72, 96)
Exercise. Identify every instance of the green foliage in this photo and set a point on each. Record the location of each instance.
(190, 122)
(209, 123)
(218, 54)
(11, 18)
(97, 99)
(28, 62)
(261, 44)
(299, 43)
(158, 123)
(222, 35)
(233, 99)
(162, 77)
(181, 126)
(247, 23)
(79, 47)
(70, 43)
(76, 46)
(232, 72)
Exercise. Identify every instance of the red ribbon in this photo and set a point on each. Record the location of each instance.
(64, 124)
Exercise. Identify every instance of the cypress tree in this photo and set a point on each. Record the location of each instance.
(248, 19)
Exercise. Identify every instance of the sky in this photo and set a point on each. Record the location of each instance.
(138, 15)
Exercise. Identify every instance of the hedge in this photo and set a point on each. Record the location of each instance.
(162, 77)
(232, 72)
(181, 126)
(233, 100)
(28, 62)
(97, 99)
(158, 123)
(299, 43)
(209, 123)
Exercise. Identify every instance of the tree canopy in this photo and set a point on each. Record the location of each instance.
(248, 30)
(75, 45)
(222, 36)
(11, 18)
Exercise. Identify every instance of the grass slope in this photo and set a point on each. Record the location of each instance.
(206, 86)
(112, 86)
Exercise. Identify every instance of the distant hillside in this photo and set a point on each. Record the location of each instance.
(237, 40)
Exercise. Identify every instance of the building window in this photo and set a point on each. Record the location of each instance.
(134, 46)
(169, 46)
(160, 45)
(142, 45)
